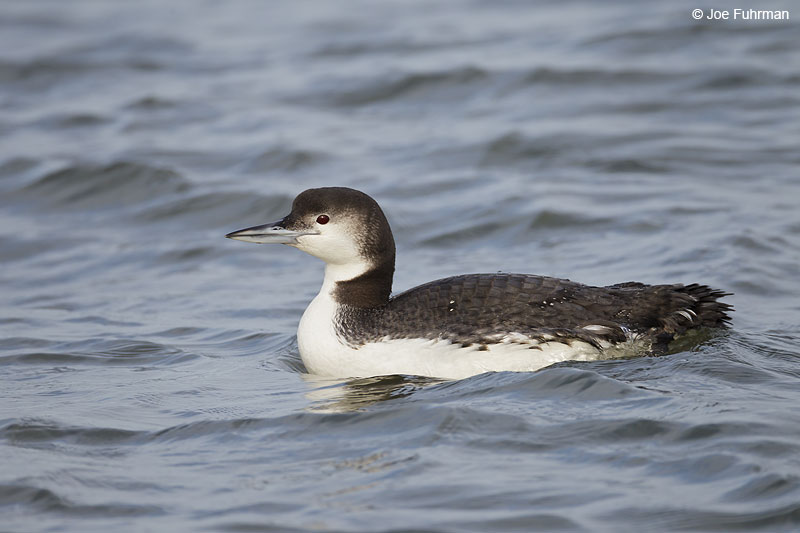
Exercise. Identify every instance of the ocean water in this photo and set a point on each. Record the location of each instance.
(149, 372)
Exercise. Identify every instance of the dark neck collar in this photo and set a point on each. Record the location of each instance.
(370, 289)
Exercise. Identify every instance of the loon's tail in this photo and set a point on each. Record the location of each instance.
(699, 307)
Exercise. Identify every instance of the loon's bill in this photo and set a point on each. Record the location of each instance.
(463, 325)
(272, 233)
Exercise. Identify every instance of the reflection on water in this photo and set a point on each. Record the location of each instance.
(337, 395)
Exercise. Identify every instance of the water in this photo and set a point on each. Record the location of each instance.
(149, 374)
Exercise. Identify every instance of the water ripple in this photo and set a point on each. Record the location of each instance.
(112, 186)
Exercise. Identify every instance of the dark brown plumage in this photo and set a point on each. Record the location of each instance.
(474, 309)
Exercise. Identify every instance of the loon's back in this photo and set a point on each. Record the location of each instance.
(482, 308)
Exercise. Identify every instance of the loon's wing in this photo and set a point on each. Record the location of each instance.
(476, 308)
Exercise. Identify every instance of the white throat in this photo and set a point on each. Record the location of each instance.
(342, 272)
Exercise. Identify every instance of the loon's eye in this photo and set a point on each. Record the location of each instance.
(323, 219)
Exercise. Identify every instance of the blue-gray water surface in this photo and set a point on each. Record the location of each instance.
(149, 373)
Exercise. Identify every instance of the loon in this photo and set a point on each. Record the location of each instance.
(460, 326)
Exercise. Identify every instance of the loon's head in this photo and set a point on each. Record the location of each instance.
(343, 227)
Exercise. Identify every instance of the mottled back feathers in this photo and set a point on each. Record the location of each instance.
(485, 308)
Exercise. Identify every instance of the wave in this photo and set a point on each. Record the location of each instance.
(217, 210)
(98, 352)
(470, 80)
(90, 186)
(37, 499)
(422, 85)
(283, 159)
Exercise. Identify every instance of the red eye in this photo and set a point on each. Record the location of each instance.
(323, 219)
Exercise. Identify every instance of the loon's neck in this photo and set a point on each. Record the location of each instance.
(361, 286)
(370, 289)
